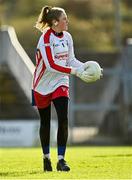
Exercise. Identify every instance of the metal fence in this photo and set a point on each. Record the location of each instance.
(114, 95)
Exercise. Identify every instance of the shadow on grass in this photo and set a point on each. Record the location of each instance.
(18, 173)
(114, 155)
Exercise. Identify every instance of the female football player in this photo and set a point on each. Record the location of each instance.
(55, 61)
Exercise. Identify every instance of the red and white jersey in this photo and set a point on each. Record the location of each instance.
(54, 60)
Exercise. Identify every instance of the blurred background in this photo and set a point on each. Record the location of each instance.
(101, 112)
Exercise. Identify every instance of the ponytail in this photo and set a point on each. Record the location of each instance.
(42, 21)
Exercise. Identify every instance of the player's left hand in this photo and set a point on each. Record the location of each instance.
(92, 71)
(86, 77)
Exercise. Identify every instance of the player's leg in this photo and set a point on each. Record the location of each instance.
(45, 129)
(43, 104)
(45, 116)
(61, 106)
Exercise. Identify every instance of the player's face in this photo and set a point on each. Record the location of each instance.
(63, 22)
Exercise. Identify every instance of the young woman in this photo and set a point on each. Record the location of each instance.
(55, 61)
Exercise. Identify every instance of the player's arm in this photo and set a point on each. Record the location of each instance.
(47, 53)
(72, 61)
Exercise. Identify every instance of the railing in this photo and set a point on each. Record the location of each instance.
(13, 54)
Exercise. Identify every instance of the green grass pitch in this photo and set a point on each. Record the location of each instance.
(85, 162)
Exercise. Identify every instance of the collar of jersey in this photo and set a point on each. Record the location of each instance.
(59, 35)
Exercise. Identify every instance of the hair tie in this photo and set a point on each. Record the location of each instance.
(47, 9)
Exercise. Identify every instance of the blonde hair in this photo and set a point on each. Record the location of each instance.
(47, 15)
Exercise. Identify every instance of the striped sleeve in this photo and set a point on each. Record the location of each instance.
(48, 54)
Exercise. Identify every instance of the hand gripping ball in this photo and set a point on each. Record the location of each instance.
(93, 68)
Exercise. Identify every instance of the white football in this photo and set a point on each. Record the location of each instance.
(94, 69)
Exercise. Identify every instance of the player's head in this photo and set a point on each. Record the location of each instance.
(54, 17)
